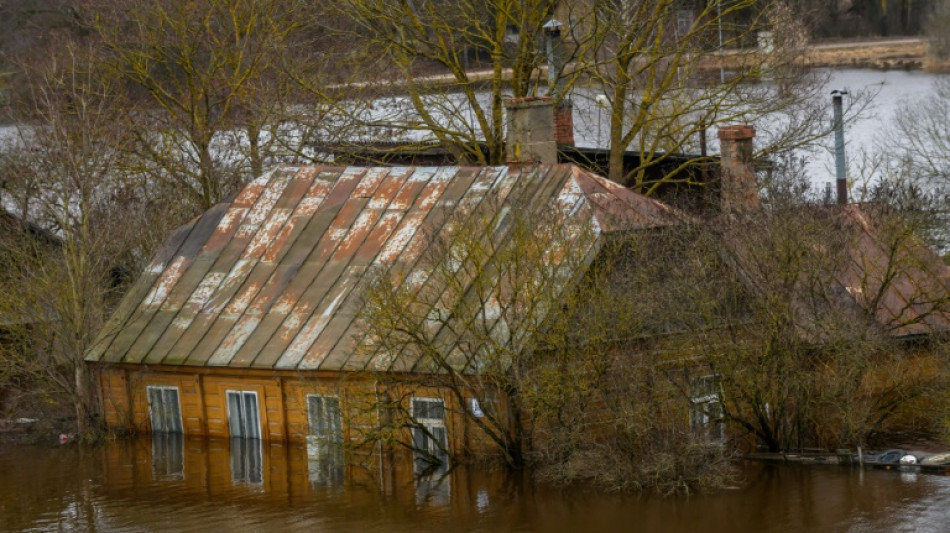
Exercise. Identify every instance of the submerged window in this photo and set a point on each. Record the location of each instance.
(164, 409)
(705, 416)
(324, 443)
(429, 437)
(247, 461)
(244, 419)
(324, 416)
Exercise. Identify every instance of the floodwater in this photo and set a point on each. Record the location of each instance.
(872, 129)
(201, 485)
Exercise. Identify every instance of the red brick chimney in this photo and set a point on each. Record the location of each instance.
(564, 123)
(738, 190)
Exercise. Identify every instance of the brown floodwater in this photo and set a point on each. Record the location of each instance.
(200, 485)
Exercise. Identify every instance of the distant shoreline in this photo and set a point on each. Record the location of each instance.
(904, 53)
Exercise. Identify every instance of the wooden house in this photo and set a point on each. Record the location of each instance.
(245, 322)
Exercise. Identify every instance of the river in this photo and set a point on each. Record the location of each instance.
(873, 128)
(200, 485)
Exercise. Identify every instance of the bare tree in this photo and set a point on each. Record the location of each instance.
(654, 62)
(208, 86)
(779, 325)
(67, 179)
(474, 305)
(813, 349)
(524, 324)
(478, 52)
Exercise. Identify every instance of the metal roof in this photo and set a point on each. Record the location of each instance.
(897, 278)
(273, 278)
(883, 269)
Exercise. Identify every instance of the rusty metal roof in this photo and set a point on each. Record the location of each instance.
(895, 277)
(883, 269)
(273, 278)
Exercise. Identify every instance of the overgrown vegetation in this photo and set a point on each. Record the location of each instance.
(579, 350)
(681, 345)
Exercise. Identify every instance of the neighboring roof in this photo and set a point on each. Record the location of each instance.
(27, 242)
(876, 267)
(10, 223)
(899, 279)
(273, 279)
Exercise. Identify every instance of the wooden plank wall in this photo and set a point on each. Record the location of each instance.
(282, 397)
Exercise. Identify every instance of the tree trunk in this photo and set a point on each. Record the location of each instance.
(519, 441)
(210, 188)
(615, 169)
(85, 410)
(254, 151)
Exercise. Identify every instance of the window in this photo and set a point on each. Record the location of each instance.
(244, 419)
(324, 450)
(684, 20)
(247, 461)
(488, 404)
(164, 409)
(429, 437)
(475, 408)
(323, 413)
(512, 34)
(430, 440)
(705, 416)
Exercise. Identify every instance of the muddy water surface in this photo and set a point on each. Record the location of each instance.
(198, 485)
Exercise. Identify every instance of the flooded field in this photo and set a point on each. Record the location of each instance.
(199, 485)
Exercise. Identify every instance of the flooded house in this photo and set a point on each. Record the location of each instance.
(247, 322)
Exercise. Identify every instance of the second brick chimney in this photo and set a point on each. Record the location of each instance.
(531, 130)
(738, 188)
(564, 123)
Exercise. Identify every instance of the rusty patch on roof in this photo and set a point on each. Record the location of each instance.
(273, 279)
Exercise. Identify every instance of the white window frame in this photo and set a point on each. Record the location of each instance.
(434, 422)
(148, 399)
(227, 402)
(251, 448)
(699, 412)
(330, 438)
(475, 407)
(430, 423)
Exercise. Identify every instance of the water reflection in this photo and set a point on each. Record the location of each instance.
(431, 476)
(170, 484)
(324, 462)
(168, 456)
(433, 489)
(247, 461)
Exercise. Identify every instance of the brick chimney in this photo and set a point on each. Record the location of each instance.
(531, 130)
(564, 123)
(738, 190)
